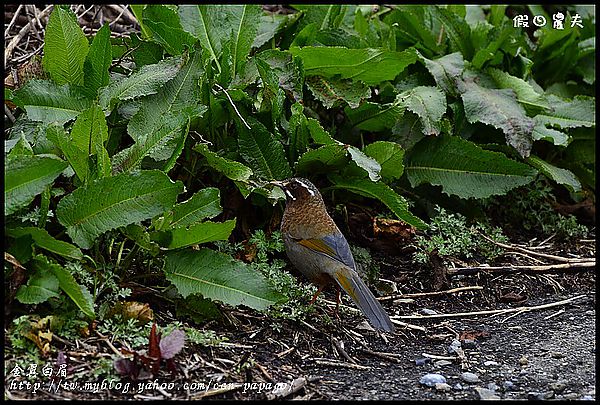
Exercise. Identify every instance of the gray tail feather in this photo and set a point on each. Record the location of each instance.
(365, 300)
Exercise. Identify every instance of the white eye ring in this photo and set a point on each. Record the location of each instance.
(303, 184)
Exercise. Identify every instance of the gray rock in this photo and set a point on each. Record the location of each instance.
(557, 355)
(486, 394)
(427, 311)
(469, 377)
(442, 387)
(442, 363)
(457, 387)
(558, 387)
(431, 379)
(490, 363)
(523, 361)
(508, 385)
(422, 362)
(468, 344)
(493, 386)
(454, 346)
(571, 395)
(587, 398)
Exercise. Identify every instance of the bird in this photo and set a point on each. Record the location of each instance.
(318, 249)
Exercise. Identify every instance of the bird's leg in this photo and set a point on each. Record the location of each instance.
(314, 298)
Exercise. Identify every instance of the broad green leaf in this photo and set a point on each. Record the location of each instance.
(89, 134)
(146, 81)
(243, 35)
(365, 162)
(262, 151)
(446, 71)
(219, 277)
(390, 156)
(116, 201)
(26, 178)
(298, 132)
(323, 159)
(541, 131)
(413, 24)
(429, 103)
(375, 117)
(318, 134)
(322, 15)
(194, 234)
(138, 11)
(500, 109)
(288, 70)
(40, 286)
(456, 29)
(77, 158)
(163, 23)
(463, 168)
(48, 102)
(42, 239)
(561, 176)
(21, 149)
(579, 112)
(206, 203)
(78, 293)
(270, 24)
(97, 62)
(140, 235)
(526, 95)
(329, 91)
(501, 35)
(230, 168)
(65, 47)
(369, 65)
(380, 191)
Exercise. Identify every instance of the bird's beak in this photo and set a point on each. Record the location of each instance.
(280, 184)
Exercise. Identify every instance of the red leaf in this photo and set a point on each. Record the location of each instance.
(172, 344)
(154, 350)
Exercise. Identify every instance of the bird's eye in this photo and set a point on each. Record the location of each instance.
(293, 186)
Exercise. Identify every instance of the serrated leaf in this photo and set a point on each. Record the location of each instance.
(429, 103)
(526, 95)
(97, 62)
(146, 81)
(390, 156)
(79, 294)
(559, 175)
(329, 91)
(369, 65)
(65, 47)
(318, 134)
(298, 132)
(116, 201)
(262, 151)
(141, 237)
(374, 117)
(40, 286)
(194, 234)
(500, 109)
(464, 169)
(288, 70)
(540, 131)
(578, 112)
(21, 148)
(206, 203)
(446, 70)
(42, 239)
(380, 191)
(322, 159)
(230, 168)
(162, 22)
(48, 102)
(219, 277)
(77, 158)
(243, 35)
(456, 29)
(26, 178)
(270, 24)
(89, 134)
(365, 162)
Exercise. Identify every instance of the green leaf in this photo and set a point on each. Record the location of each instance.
(219, 277)
(77, 158)
(138, 11)
(367, 163)
(89, 134)
(148, 80)
(21, 149)
(65, 47)
(116, 201)
(48, 102)
(390, 156)
(206, 203)
(243, 35)
(375, 117)
(561, 176)
(318, 134)
(97, 62)
(141, 237)
(287, 71)
(262, 151)
(446, 71)
(330, 91)
(270, 24)
(194, 234)
(323, 159)
(40, 286)
(26, 178)
(42, 239)
(540, 131)
(369, 65)
(298, 132)
(526, 95)
(500, 109)
(162, 21)
(464, 169)
(230, 168)
(429, 103)
(579, 112)
(380, 191)
(80, 296)
(456, 29)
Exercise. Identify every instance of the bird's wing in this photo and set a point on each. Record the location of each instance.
(334, 246)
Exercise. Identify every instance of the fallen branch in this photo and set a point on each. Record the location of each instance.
(514, 269)
(17, 38)
(333, 363)
(430, 293)
(495, 311)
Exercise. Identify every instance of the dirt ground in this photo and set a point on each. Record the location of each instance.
(541, 347)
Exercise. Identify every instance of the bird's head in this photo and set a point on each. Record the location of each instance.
(298, 189)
